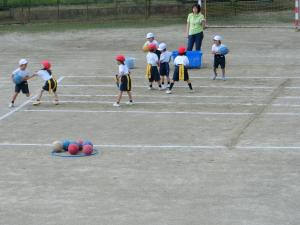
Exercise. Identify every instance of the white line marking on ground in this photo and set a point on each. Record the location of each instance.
(23, 104)
(144, 86)
(136, 112)
(192, 77)
(157, 96)
(141, 146)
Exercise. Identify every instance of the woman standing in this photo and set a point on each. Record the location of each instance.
(194, 28)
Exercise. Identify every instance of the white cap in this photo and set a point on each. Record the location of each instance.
(150, 35)
(218, 38)
(162, 46)
(23, 62)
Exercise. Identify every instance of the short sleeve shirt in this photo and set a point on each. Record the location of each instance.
(152, 58)
(195, 21)
(44, 75)
(181, 60)
(22, 73)
(123, 70)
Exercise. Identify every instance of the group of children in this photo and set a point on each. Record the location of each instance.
(45, 74)
(158, 68)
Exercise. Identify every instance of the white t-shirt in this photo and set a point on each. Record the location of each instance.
(181, 60)
(44, 75)
(165, 56)
(22, 73)
(216, 48)
(123, 70)
(152, 59)
(153, 42)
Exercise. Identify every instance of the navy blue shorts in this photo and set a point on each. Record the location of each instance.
(176, 74)
(154, 74)
(125, 84)
(23, 86)
(219, 61)
(50, 85)
(164, 69)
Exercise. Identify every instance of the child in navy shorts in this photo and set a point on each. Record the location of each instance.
(219, 59)
(152, 73)
(123, 81)
(164, 67)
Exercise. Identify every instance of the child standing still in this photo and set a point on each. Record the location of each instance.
(181, 72)
(23, 85)
(123, 80)
(152, 73)
(164, 67)
(219, 58)
(50, 83)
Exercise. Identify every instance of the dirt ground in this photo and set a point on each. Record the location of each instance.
(228, 154)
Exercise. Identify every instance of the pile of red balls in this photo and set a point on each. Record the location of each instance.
(74, 147)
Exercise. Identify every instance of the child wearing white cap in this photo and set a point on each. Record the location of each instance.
(151, 40)
(164, 68)
(20, 77)
(219, 58)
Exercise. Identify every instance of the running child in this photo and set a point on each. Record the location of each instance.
(123, 81)
(164, 68)
(23, 85)
(219, 58)
(152, 73)
(181, 72)
(50, 83)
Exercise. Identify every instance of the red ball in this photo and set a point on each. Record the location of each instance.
(87, 149)
(73, 149)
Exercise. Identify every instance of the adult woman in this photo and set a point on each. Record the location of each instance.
(194, 28)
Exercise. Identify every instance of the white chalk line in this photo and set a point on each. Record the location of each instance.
(137, 112)
(176, 86)
(147, 146)
(180, 103)
(192, 77)
(23, 104)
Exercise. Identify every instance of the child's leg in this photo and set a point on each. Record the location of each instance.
(223, 72)
(55, 97)
(14, 97)
(129, 96)
(119, 97)
(40, 95)
(162, 80)
(190, 84)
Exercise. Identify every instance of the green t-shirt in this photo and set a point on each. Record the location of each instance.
(195, 21)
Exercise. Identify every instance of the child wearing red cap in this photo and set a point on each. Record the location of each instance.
(181, 72)
(123, 81)
(152, 73)
(50, 83)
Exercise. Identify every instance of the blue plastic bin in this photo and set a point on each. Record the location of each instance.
(129, 61)
(195, 58)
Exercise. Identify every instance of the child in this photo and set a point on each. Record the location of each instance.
(219, 59)
(151, 40)
(164, 68)
(152, 73)
(50, 82)
(123, 80)
(181, 72)
(23, 86)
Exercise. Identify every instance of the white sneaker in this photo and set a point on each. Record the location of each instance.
(55, 102)
(161, 89)
(168, 92)
(116, 104)
(191, 91)
(224, 78)
(129, 103)
(11, 105)
(150, 88)
(168, 85)
(214, 78)
(36, 103)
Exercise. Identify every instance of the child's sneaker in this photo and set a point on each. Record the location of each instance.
(116, 104)
(11, 105)
(191, 91)
(55, 102)
(129, 103)
(168, 92)
(150, 88)
(224, 78)
(37, 102)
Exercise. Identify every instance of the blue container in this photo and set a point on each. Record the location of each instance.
(129, 61)
(195, 58)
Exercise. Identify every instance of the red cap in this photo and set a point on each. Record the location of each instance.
(120, 58)
(46, 64)
(152, 46)
(181, 50)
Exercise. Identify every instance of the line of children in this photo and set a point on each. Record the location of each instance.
(23, 86)
(181, 63)
(123, 81)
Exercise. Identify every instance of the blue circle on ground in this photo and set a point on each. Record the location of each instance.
(67, 155)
